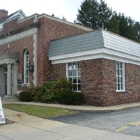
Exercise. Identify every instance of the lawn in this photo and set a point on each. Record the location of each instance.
(39, 111)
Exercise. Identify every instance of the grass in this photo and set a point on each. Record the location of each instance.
(39, 111)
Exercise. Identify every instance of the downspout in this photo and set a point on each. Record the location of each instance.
(35, 38)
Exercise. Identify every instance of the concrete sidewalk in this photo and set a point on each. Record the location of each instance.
(80, 107)
(33, 128)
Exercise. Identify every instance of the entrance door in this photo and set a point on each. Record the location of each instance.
(5, 81)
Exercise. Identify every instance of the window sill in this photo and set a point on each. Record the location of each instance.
(120, 91)
(25, 84)
(77, 91)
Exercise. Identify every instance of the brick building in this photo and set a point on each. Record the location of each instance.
(102, 65)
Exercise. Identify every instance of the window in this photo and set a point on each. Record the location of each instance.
(26, 64)
(74, 75)
(120, 76)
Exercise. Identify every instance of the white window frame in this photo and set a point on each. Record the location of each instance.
(120, 77)
(26, 70)
(77, 76)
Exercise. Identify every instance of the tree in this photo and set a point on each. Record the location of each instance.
(113, 25)
(137, 29)
(88, 14)
(105, 14)
(94, 14)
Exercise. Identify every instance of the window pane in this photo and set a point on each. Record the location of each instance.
(70, 66)
(74, 87)
(74, 72)
(74, 80)
(117, 65)
(26, 79)
(79, 80)
(27, 52)
(79, 65)
(26, 63)
(74, 75)
(74, 66)
(119, 76)
(79, 87)
(70, 73)
(70, 79)
(79, 72)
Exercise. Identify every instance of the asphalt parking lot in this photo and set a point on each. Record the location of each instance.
(126, 121)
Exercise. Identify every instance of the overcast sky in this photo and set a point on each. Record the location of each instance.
(68, 8)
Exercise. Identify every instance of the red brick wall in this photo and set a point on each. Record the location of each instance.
(98, 79)
(15, 24)
(92, 81)
(20, 45)
(58, 71)
(51, 30)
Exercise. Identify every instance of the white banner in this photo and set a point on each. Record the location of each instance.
(2, 119)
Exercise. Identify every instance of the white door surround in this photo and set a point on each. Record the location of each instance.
(9, 61)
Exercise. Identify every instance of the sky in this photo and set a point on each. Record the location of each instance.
(68, 8)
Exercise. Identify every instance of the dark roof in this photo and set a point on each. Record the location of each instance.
(77, 43)
(5, 18)
(90, 41)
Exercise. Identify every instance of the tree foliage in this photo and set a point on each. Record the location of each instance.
(94, 14)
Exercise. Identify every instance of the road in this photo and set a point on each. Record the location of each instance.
(125, 121)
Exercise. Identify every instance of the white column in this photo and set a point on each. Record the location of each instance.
(1, 81)
(8, 79)
(14, 79)
(35, 60)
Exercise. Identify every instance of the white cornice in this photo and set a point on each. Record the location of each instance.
(95, 54)
(19, 36)
(65, 22)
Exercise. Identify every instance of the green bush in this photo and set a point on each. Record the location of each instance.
(63, 85)
(71, 98)
(25, 96)
(50, 92)
(36, 93)
(53, 91)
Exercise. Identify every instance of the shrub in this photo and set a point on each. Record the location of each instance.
(25, 96)
(63, 85)
(71, 98)
(50, 92)
(36, 93)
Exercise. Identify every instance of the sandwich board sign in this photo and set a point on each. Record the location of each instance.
(2, 119)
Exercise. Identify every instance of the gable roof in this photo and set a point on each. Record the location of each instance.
(98, 43)
(7, 17)
(15, 14)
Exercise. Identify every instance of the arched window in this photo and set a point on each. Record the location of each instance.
(26, 69)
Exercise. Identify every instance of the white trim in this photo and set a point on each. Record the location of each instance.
(124, 76)
(25, 67)
(76, 76)
(95, 54)
(120, 76)
(35, 59)
(19, 36)
(67, 70)
(65, 22)
(120, 91)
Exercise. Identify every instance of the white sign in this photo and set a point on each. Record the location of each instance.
(2, 119)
